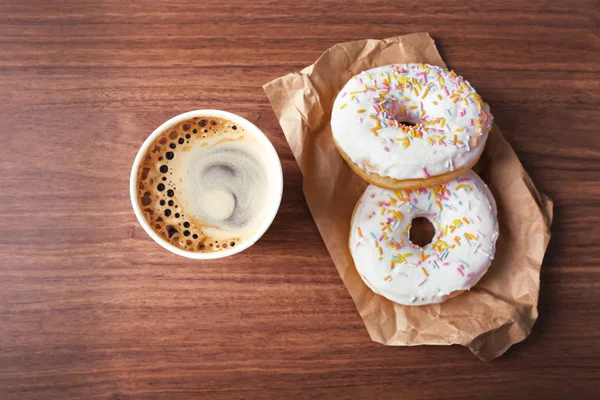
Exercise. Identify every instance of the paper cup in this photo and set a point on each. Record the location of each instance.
(273, 165)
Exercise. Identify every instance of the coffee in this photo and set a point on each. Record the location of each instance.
(203, 184)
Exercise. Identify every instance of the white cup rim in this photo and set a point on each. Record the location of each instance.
(274, 166)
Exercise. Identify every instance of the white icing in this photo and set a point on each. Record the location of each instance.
(410, 85)
(462, 266)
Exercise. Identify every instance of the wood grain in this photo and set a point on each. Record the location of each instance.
(92, 308)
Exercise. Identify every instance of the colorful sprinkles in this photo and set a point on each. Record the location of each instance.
(455, 217)
(418, 102)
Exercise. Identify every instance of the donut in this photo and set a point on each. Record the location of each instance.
(409, 126)
(463, 213)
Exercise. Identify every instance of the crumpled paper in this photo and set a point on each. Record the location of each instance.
(502, 308)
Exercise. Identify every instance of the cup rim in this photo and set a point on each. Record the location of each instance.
(274, 165)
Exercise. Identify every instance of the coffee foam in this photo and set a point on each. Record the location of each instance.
(203, 185)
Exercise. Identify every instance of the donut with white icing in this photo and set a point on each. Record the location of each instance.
(372, 125)
(463, 213)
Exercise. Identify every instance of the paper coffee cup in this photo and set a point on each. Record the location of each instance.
(272, 164)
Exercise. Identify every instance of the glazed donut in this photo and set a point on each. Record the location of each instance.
(371, 125)
(463, 213)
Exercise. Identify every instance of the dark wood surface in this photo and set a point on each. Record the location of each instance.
(92, 308)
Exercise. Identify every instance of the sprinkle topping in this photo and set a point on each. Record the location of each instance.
(459, 254)
(408, 109)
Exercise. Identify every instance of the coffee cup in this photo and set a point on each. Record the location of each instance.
(206, 184)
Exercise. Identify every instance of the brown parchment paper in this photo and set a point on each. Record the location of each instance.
(502, 308)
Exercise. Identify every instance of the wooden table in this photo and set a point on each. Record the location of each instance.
(92, 308)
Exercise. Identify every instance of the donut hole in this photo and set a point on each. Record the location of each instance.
(407, 119)
(421, 232)
(407, 123)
